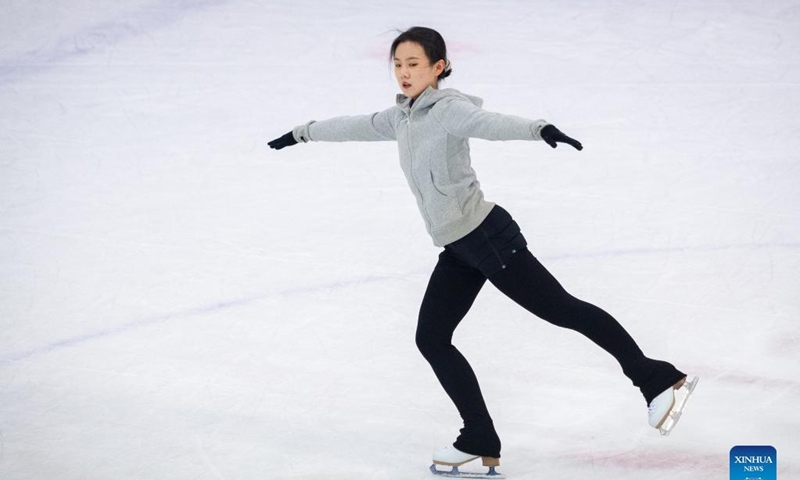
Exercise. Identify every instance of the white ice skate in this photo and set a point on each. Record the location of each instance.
(454, 458)
(665, 410)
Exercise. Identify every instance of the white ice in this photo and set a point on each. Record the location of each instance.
(178, 301)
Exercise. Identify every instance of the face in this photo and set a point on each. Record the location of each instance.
(414, 71)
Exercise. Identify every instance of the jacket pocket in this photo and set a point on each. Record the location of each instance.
(443, 208)
(433, 183)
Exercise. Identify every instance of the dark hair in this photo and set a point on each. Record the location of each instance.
(430, 41)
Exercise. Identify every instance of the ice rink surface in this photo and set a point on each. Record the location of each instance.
(178, 301)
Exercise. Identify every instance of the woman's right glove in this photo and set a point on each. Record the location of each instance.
(284, 141)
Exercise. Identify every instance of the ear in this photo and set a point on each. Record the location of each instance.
(438, 67)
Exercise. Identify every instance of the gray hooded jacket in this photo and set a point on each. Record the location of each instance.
(432, 134)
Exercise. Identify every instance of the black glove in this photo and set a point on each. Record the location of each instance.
(551, 135)
(284, 141)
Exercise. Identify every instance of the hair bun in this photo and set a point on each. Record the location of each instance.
(447, 70)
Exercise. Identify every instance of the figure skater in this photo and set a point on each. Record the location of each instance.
(480, 240)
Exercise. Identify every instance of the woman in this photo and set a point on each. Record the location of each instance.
(480, 239)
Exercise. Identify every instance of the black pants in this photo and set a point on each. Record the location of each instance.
(497, 251)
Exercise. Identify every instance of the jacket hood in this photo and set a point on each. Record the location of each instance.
(432, 95)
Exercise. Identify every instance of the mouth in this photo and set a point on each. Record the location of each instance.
(406, 85)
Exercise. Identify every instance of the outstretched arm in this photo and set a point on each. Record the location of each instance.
(464, 119)
(361, 128)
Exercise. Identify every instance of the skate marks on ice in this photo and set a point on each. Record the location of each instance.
(645, 461)
(100, 36)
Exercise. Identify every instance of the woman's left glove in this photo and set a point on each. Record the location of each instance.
(551, 135)
(284, 141)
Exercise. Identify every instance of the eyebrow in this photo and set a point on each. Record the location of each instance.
(409, 58)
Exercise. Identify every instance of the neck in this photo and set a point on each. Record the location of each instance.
(434, 86)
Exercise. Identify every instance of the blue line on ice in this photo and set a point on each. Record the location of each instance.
(649, 251)
(225, 305)
(202, 310)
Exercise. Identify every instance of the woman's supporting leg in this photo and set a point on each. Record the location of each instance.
(527, 282)
(451, 292)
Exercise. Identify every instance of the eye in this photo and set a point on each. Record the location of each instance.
(412, 65)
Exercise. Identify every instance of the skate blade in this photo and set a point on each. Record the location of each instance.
(685, 391)
(492, 474)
